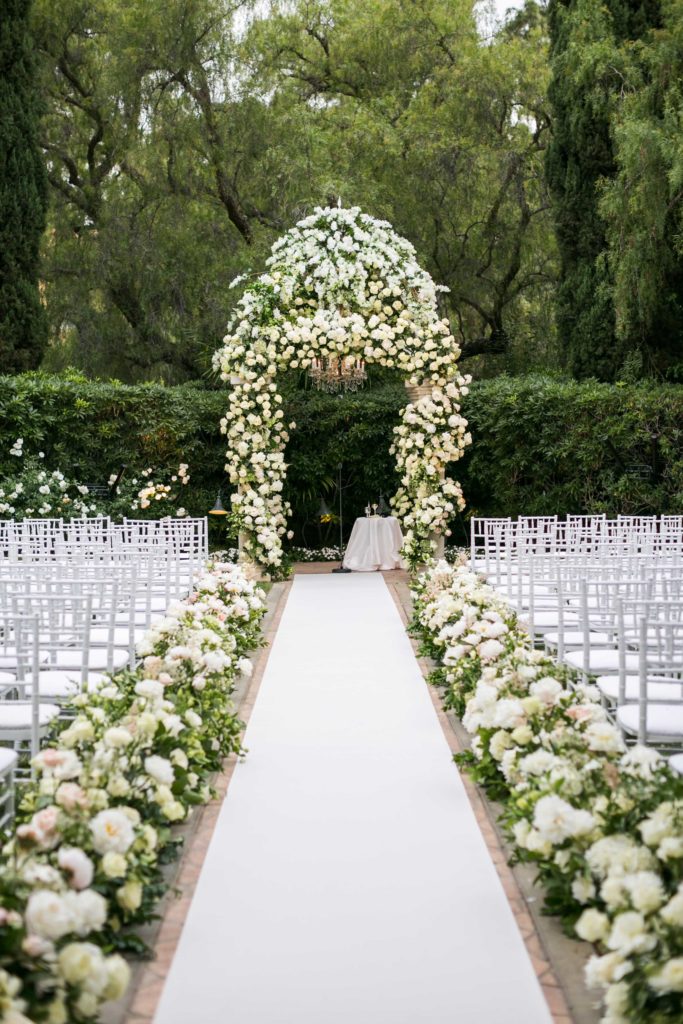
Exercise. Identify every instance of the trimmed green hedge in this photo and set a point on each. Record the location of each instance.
(539, 445)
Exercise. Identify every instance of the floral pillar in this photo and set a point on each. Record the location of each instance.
(415, 393)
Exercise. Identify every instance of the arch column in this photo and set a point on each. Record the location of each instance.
(415, 393)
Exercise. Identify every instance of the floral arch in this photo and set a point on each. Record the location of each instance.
(341, 283)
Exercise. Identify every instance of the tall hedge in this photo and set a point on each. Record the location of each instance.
(539, 445)
(23, 195)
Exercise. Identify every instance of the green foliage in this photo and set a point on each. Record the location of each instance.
(590, 43)
(543, 446)
(23, 195)
(179, 147)
(540, 446)
(641, 204)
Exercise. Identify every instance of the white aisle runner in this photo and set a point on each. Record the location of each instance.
(347, 881)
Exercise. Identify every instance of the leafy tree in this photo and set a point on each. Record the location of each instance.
(23, 195)
(183, 136)
(145, 154)
(590, 41)
(410, 115)
(642, 203)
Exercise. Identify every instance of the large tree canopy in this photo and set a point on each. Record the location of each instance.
(182, 136)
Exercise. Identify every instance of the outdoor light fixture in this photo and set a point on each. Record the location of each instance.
(218, 509)
(336, 374)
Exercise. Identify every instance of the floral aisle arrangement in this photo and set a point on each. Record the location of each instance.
(36, 492)
(603, 823)
(83, 868)
(340, 283)
(293, 554)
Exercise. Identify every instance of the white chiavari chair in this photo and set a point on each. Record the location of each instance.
(24, 717)
(655, 720)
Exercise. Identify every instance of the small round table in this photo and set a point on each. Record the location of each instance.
(374, 544)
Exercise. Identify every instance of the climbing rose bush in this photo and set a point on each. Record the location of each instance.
(340, 283)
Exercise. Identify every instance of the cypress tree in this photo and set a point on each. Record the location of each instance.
(23, 195)
(579, 155)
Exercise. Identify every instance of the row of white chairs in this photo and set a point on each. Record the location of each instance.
(75, 599)
(606, 598)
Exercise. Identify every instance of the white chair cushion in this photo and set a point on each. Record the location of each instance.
(665, 720)
(7, 678)
(140, 620)
(8, 658)
(60, 684)
(601, 661)
(15, 716)
(549, 619)
(676, 763)
(657, 688)
(8, 759)
(574, 638)
(70, 658)
(100, 635)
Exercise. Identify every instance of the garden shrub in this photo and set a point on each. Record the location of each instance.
(540, 445)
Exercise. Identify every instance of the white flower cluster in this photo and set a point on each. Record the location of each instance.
(133, 760)
(37, 492)
(153, 492)
(339, 283)
(432, 434)
(603, 823)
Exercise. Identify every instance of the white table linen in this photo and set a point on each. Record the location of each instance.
(374, 544)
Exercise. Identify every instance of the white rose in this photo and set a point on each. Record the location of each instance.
(114, 865)
(601, 971)
(603, 737)
(160, 769)
(670, 978)
(556, 820)
(646, 891)
(81, 962)
(48, 915)
(118, 977)
(78, 866)
(592, 926)
(672, 912)
(117, 737)
(129, 896)
(112, 830)
(547, 690)
(150, 689)
(490, 649)
(629, 934)
(89, 910)
(583, 889)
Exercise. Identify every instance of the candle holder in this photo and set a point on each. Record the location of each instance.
(340, 568)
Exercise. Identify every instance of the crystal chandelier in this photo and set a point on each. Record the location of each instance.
(334, 374)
